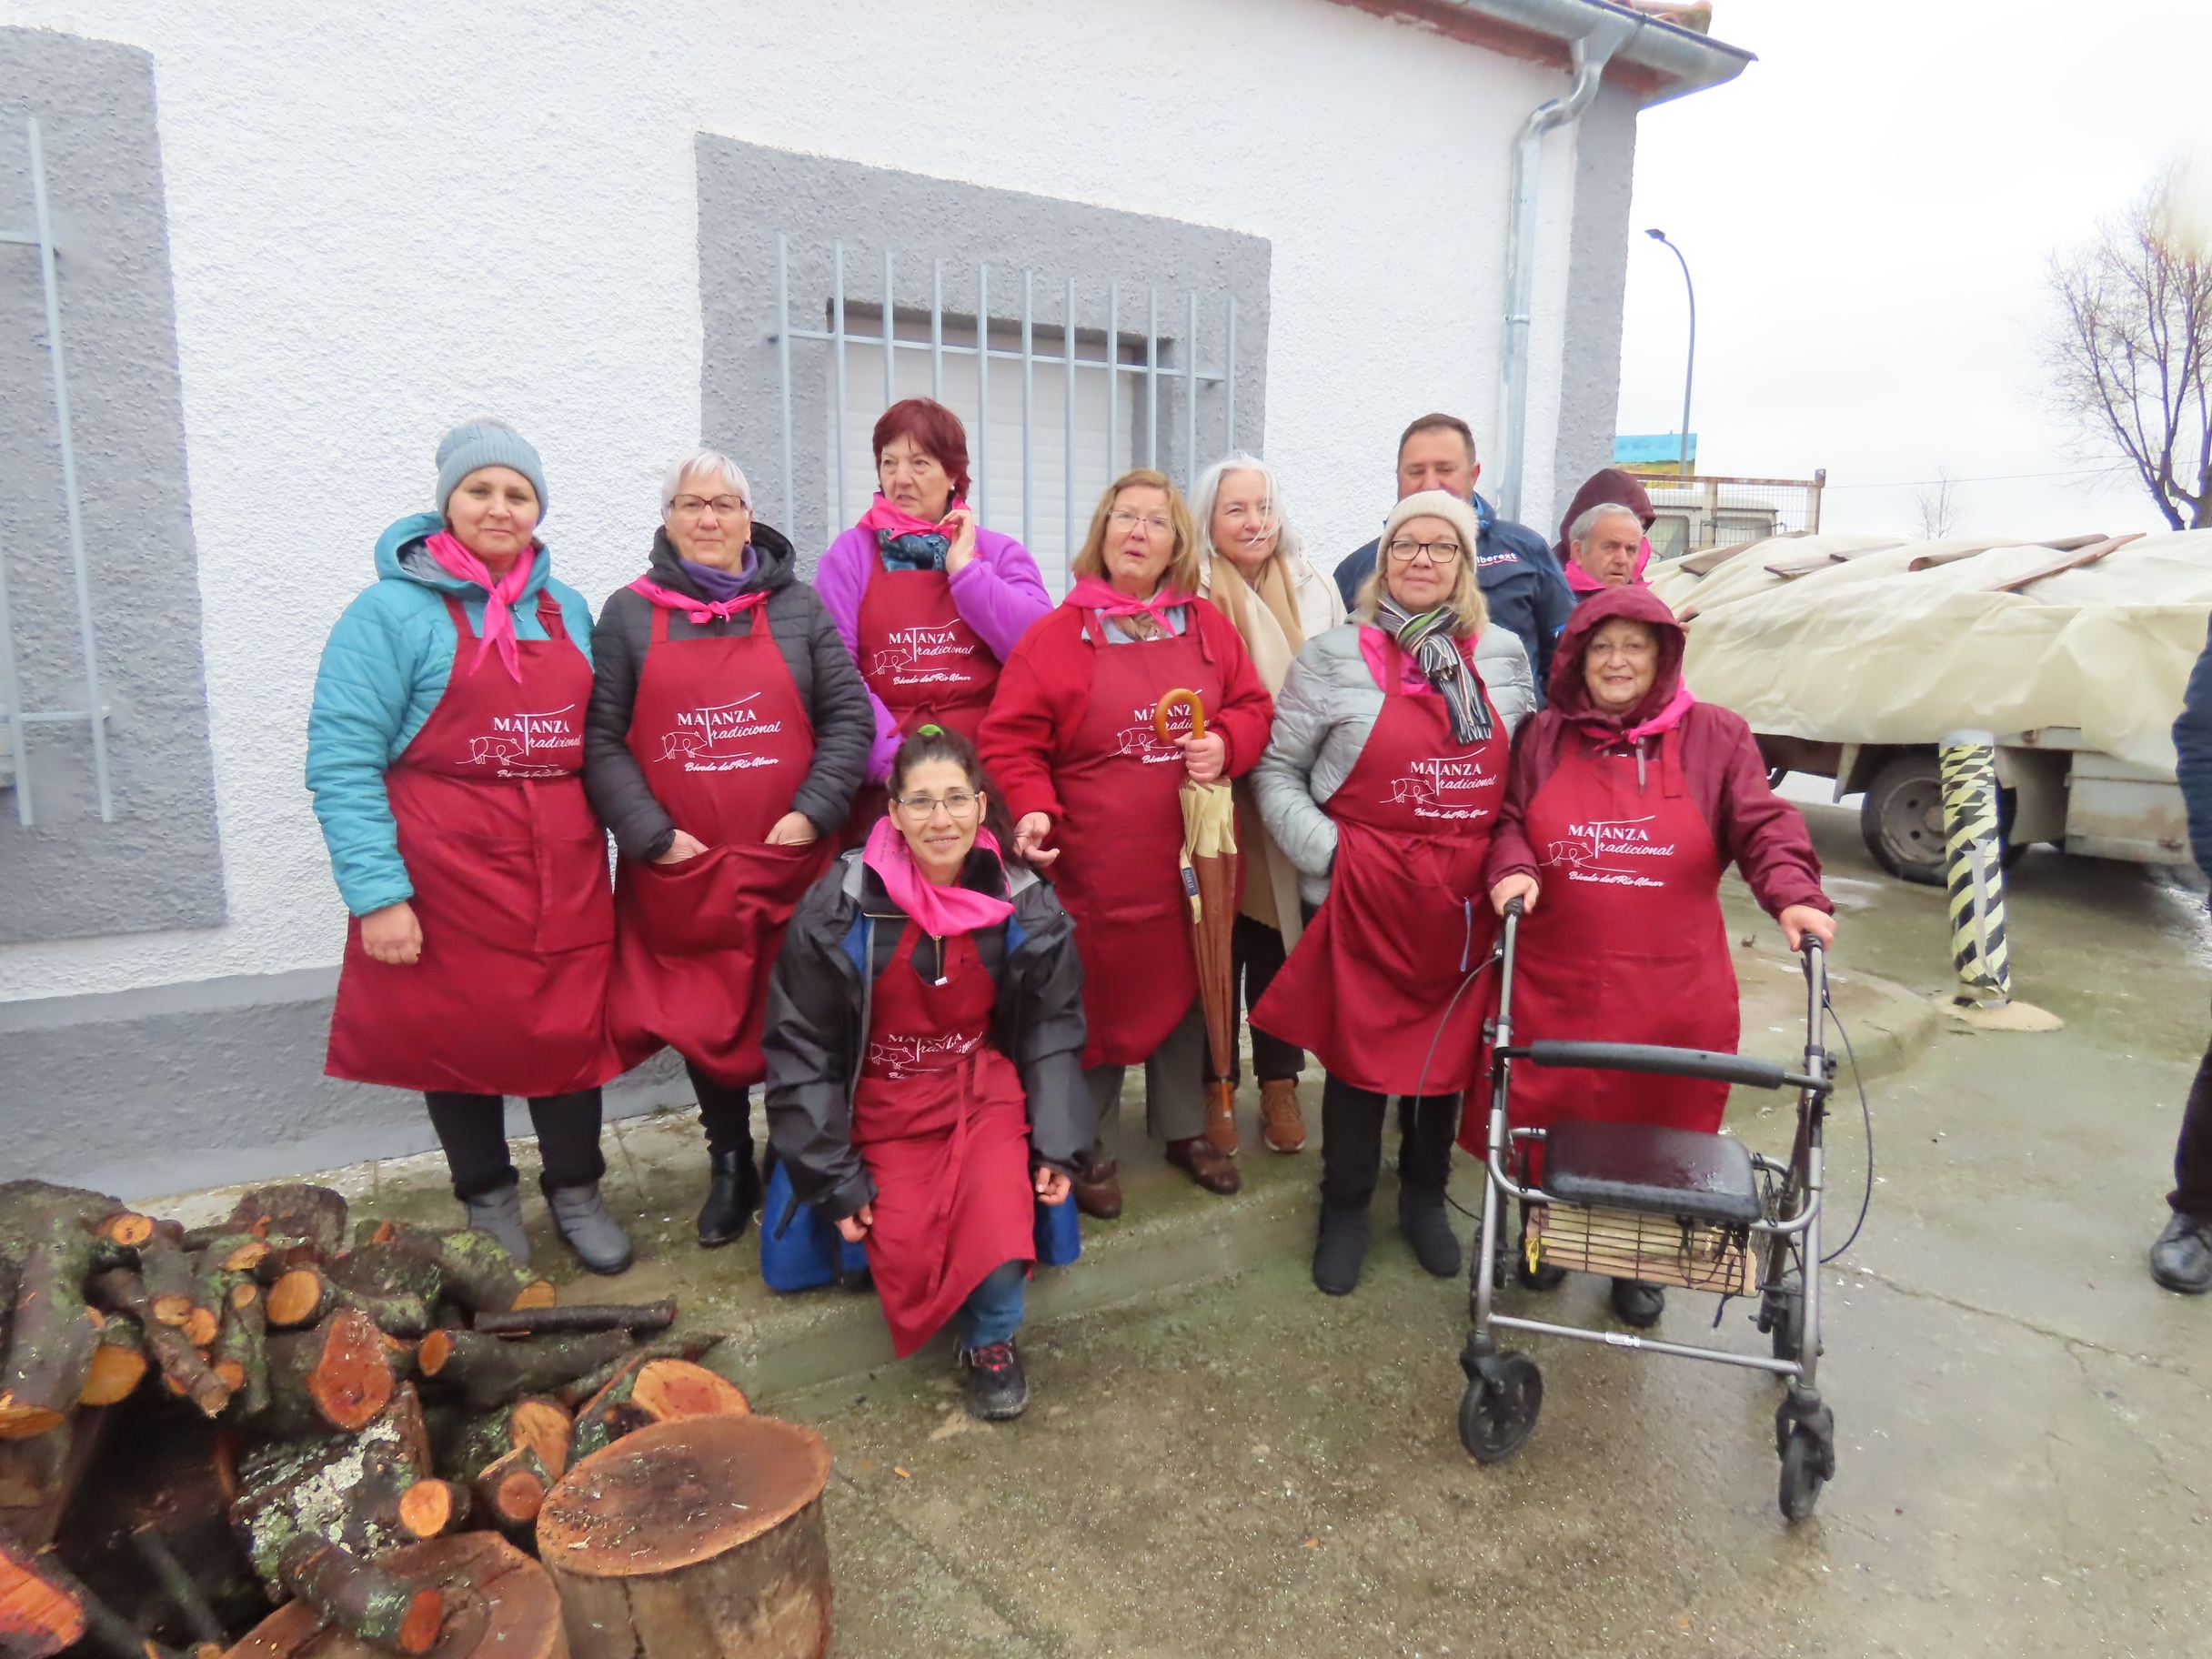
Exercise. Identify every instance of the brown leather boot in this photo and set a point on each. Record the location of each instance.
(1282, 1125)
(1208, 1166)
(1098, 1188)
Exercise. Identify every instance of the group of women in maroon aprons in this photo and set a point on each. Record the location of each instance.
(731, 727)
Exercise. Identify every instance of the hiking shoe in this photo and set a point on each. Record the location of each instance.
(499, 1213)
(1340, 1251)
(1421, 1218)
(733, 1193)
(580, 1216)
(1282, 1125)
(1637, 1303)
(997, 1387)
(2182, 1258)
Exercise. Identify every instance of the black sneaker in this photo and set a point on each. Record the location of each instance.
(997, 1387)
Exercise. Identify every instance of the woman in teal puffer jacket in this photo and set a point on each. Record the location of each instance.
(444, 753)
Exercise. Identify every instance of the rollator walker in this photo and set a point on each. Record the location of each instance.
(1666, 1206)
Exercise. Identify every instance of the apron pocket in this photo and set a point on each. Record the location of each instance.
(721, 900)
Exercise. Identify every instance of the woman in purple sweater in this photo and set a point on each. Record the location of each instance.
(928, 603)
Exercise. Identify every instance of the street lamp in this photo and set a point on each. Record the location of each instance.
(1690, 371)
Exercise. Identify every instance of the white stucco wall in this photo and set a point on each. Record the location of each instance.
(384, 219)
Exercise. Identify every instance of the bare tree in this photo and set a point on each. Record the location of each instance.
(2131, 348)
(1934, 505)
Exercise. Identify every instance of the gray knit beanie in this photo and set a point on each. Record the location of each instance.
(486, 442)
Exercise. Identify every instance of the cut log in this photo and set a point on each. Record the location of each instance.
(39, 1613)
(183, 1367)
(694, 1348)
(119, 1364)
(343, 1489)
(243, 1343)
(500, 1606)
(38, 1476)
(298, 1297)
(363, 1599)
(476, 1269)
(291, 1210)
(233, 1252)
(488, 1370)
(654, 1390)
(642, 1320)
(703, 1536)
(173, 1289)
(510, 1491)
(338, 1375)
(430, 1509)
(107, 1219)
(394, 1285)
(541, 1424)
(52, 1333)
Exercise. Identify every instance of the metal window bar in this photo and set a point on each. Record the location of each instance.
(41, 237)
(1070, 359)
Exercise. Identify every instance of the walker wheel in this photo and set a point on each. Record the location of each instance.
(1805, 1468)
(1498, 1413)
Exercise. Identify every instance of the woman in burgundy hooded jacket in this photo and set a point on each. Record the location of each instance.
(1626, 800)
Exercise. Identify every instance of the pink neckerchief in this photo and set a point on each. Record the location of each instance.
(1581, 581)
(885, 515)
(499, 594)
(941, 911)
(1377, 648)
(1094, 593)
(1666, 720)
(701, 611)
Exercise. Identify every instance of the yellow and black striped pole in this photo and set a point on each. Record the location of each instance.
(1973, 869)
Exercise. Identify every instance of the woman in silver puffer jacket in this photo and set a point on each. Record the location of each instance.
(1382, 782)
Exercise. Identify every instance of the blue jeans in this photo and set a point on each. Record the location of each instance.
(993, 1312)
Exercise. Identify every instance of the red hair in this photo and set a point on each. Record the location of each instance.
(930, 426)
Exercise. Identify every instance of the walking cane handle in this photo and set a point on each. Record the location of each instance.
(1181, 697)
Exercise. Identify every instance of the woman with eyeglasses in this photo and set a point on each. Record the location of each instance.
(928, 602)
(924, 1048)
(727, 731)
(1095, 795)
(1382, 782)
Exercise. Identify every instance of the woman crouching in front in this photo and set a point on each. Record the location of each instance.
(924, 1046)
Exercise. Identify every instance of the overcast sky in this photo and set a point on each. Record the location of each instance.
(1867, 211)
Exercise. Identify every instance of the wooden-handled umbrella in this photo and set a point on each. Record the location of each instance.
(1209, 864)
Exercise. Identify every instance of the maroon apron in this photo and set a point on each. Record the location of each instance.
(1119, 873)
(724, 741)
(1627, 943)
(924, 664)
(509, 871)
(939, 1118)
(1368, 986)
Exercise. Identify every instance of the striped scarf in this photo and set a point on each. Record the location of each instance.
(1427, 638)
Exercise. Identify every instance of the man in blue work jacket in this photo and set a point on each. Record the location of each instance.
(1521, 582)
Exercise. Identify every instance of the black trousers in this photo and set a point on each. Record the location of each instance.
(472, 1129)
(1352, 1142)
(1256, 955)
(2192, 1194)
(725, 1113)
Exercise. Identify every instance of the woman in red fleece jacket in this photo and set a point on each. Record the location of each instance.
(1626, 800)
(1095, 795)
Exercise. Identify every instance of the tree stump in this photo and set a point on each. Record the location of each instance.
(500, 1606)
(698, 1539)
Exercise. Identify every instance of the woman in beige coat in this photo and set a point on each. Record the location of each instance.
(1254, 567)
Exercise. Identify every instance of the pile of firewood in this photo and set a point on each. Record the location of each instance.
(197, 1426)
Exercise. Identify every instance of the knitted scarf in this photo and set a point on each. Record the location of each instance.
(1427, 638)
(908, 542)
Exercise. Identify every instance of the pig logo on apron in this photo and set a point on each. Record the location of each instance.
(528, 745)
(718, 739)
(916, 657)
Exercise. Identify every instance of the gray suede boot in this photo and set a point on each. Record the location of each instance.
(499, 1213)
(581, 1217)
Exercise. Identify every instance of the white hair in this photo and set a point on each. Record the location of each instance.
(1208, 489)
(1580, 528)
(710, 461)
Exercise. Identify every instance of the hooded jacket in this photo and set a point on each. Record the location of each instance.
(383, 669)
(1753, 828)
(1520, 581)
(831, 690)
(817, 1014)
(2193, 757)
(1612, 485)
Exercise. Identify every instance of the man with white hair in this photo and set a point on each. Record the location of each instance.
(1605, 546)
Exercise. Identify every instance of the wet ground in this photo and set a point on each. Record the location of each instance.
(2026, 1443)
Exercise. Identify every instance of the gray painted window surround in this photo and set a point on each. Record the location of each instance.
(158, 865)
(749, 192)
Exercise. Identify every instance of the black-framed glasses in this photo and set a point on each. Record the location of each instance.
(1405, 550)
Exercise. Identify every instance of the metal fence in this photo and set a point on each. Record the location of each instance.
(19, 718)
(1707, 511)
(1096, 408)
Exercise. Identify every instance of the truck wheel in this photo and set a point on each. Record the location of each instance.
(1901, 818)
